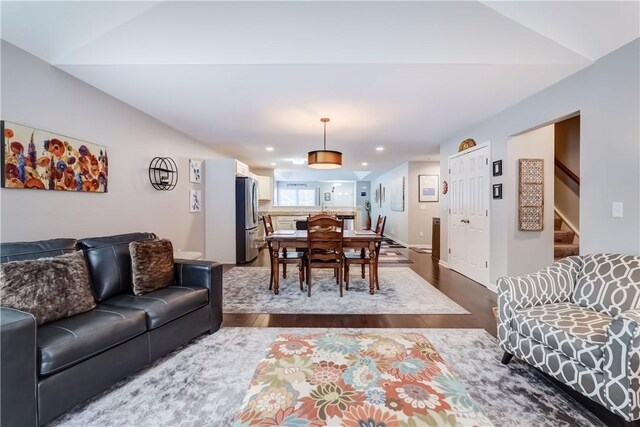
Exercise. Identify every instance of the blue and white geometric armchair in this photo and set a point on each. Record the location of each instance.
(579, 321)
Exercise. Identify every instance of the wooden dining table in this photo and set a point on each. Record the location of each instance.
(283, 239)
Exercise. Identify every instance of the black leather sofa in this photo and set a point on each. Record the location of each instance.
(48, 369)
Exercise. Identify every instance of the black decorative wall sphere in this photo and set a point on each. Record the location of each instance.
(163, 173)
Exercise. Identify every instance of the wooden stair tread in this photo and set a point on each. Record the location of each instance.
(564, 236)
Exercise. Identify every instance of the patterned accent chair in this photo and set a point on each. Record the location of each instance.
(579, 321)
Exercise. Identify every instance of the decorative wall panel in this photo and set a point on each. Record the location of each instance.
(531, 194)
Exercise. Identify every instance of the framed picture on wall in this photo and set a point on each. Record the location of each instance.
(428, 188)
(195, 171)
(497, 191)
(195, 201)
(497, 168)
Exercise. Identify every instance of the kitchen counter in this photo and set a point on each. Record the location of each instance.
(286, 217)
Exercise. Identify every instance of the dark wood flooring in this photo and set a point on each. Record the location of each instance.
(474, 297)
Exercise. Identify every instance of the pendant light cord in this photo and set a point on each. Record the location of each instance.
(325, 136)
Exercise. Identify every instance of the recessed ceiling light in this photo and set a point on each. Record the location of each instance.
(379, 148)
(273, 163)
(269, 148)
(365, 164)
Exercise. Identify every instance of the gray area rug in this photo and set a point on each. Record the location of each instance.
(204, 383)
(402, 291)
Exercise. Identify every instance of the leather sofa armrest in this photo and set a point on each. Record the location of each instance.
(550, 285)
(622, 365)
(18, 368)
(206, 274)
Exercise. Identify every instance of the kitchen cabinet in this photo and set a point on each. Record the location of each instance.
(265, 188)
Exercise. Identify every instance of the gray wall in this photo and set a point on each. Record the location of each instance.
(397, 226)
(36, 94)
(364, 186)
(421, 214)
(607, 96)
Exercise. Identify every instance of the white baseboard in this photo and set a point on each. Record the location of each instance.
(398, 241)
(492, 287)
(421, 246)
(444, 264)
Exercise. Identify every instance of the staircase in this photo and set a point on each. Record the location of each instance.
(564, 240)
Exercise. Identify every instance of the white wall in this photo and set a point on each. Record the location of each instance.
(421, 214)
(397, 226)
(607, 96)
(537, 245)
(36, 94)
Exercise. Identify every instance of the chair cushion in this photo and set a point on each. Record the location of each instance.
(109, 263)
(608, 283)
(291, 255)
(66, 342)
(575, 331)
(164, 305)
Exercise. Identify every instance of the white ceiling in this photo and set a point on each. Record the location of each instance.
(245, 75)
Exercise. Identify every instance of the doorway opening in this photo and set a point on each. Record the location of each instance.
(566, 222)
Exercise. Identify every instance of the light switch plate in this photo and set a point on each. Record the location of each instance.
(423, 207)
(617, 210)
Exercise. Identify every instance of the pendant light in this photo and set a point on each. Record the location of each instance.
(324, 159)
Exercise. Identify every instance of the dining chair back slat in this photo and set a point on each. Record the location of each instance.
(324, 241)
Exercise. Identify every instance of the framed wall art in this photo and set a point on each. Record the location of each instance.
(195, 171)
(397, 195)
(195, 200)
(497, 191)
(428, 188)
(497, 168)
(42, 160)
(531, 194)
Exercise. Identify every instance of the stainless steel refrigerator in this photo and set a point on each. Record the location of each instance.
(247, 242)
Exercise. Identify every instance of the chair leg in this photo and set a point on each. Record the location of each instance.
(375, 272)
(340, 279)
(346, 275)
(309, 281)
(301, 275)
(506, 358)
(284, 270)
(336, 272)
(271, 274)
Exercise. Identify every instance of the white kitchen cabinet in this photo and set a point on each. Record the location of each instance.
(265, 188)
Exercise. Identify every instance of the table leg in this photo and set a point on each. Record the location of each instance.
(284, 266)
(276, 272)
(362, 255)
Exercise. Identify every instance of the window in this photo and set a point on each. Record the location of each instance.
(296, 197)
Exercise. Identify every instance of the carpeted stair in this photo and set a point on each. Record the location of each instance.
(564, 240)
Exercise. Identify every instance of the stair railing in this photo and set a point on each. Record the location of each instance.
(575, 178)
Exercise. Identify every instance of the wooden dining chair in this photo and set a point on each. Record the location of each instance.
(364, 259)
(284, 258)
(324, 241)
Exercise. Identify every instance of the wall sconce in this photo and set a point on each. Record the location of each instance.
(163, 173)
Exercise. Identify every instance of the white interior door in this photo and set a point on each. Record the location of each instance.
(457, 225)
(469, 213)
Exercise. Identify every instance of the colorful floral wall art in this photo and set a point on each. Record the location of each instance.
(33, 158)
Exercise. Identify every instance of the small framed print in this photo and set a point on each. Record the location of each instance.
(195, 171)
(428, 188)
(497, 168)
(497, 191)
(195, 201)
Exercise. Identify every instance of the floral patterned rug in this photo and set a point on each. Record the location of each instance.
(377, 380)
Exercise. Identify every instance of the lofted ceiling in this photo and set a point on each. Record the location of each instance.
(242, 76)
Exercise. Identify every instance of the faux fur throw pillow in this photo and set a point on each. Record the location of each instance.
(151, 265)
(49, 288)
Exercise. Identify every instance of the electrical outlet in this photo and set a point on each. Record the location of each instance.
(617, 210)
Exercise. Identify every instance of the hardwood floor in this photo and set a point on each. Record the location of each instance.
(472, 296)
(475, 298)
